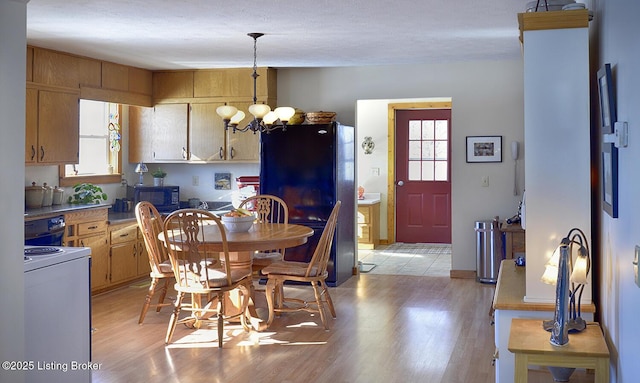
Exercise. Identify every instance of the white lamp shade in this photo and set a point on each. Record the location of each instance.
(580, 271)
(270, 117)
(550, 275)
(285, 113)
(239, 116)
(141, 168)
(259, 110)
(226, 111)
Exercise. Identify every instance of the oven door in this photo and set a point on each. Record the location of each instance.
(44, 232)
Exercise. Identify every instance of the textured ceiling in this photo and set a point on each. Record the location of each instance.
(175, 34)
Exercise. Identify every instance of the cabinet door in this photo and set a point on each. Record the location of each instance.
(58, 127)
(143, 259)
(243, 146)
(140, 134)
(207, 135)
(169, 139)
(124, 261)
(99, 259)
(31, 143)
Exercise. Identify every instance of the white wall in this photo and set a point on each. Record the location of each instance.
(487, 99)
(13, 42)
(620, 296)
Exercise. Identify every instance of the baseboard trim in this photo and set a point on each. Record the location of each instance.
(462, 274)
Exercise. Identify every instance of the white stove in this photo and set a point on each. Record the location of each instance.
(37, 257)
(57, 292)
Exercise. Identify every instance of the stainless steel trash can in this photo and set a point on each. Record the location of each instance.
(488, 251)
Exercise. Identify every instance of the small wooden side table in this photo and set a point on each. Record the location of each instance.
(530, 344)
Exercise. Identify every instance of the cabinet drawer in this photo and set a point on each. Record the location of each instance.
(88, 228)
(364, 215)
(124, 234)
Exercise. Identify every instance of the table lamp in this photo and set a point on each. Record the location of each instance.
(141, 168)
(569, 278)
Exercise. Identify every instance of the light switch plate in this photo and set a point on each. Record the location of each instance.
(635, 266)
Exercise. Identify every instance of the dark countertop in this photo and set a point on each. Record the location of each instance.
(60, 209)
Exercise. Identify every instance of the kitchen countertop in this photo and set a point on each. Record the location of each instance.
(369, 199)
(60, 209)
(510, 291)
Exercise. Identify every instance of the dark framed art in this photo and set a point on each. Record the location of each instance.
(609, 175)
(484, 148)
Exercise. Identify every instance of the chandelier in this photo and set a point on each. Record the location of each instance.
(264, 119)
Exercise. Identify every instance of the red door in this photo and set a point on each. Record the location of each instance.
(423, 176)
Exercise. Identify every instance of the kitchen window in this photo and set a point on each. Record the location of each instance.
(100, 142)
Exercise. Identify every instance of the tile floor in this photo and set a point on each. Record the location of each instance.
(407, 259)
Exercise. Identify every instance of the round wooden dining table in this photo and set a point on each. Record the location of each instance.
(242, 246)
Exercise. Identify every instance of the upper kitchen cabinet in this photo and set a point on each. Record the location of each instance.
(52, 130)
(236, 84)
(170, 128)
(140, 133)
(172, 85)
(207, 135)
(243, 146)
(64, 70)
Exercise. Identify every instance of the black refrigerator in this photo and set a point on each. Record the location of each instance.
(311, 167)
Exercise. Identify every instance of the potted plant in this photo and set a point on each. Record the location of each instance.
(86, 193)
(158, 177)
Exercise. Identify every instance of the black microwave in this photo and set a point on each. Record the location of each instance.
(164, 198)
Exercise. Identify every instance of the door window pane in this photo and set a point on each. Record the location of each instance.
(428, 150)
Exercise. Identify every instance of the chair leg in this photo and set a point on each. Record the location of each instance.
(147, 301)
(163, 294)
(318, 294)
(220, 318)
(174, 318)
(325, 290)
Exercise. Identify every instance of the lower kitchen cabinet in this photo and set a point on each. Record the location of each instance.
(128, 255)
(88, 228)
(368, 226)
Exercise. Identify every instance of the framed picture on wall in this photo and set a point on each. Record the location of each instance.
(608, 118)
(484, 148)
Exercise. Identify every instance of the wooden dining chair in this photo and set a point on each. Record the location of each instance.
(202, 272)
(150, 224)
(268, 209)
(313, 272)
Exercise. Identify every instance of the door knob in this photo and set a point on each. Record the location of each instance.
(400, 183)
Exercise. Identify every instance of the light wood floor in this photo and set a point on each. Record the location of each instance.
(389, 329)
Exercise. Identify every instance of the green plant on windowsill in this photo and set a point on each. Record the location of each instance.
(86, 193)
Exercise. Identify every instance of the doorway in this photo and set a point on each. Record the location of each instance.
(419, 184)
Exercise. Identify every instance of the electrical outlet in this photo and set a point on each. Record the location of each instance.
(485, 181)
(195, 180)
(635, 266)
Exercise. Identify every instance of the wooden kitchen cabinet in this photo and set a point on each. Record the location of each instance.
(52, 126)
(170, 130)
(514, 239)
(243, 146)
(88, 228)
(369, 226)
(160, 134)
(140, 134)
(128, 254)
(207, 135)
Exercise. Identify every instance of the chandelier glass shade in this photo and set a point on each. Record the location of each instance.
(264, 120)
